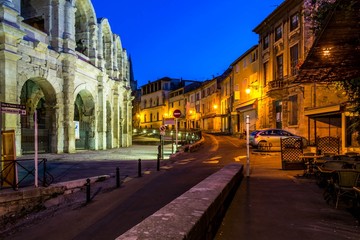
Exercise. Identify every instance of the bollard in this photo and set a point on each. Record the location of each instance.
(158, 162)
(139, 168)
(117, 177)
(87, 190)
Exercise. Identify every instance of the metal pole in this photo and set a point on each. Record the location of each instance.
(176, 136)
(36, 148)
(0, 139)
(139, 168)
(88, 190)
(117, 177)
(247, 146)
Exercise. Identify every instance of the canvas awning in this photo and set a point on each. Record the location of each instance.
(247, 106)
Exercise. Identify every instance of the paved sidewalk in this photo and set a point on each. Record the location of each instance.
(278, 204)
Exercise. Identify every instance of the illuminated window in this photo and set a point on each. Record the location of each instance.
(278, 33)
(266, 42)
(294, 58)
(294, 22)
(279, 67)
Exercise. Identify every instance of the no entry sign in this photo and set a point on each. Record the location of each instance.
(177, 113)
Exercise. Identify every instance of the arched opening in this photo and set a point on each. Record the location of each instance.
(84, 119)
(34, 98)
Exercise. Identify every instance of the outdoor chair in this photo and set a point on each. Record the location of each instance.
(343, 187)
(325, 172)
(351, 154)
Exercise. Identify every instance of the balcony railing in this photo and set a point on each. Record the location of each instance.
(279, 84)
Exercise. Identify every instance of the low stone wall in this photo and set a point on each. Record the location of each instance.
(194, 215)
(14, 204)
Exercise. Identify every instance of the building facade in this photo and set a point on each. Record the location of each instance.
(60, 60)
(266, 82)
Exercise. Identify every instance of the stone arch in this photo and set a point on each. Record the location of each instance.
(106, 41)
(84, 118)
(38, 94)
(118, 56)
(85, 27)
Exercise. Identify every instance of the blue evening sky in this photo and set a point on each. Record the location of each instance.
(189, 39)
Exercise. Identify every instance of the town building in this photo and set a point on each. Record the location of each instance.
(60, 60)
(290, 80)
(247, 92)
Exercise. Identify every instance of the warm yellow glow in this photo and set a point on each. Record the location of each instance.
(138, 115)
(166, 115)
(191, 112)
(215, 106)
(247, 90)
(326, 52)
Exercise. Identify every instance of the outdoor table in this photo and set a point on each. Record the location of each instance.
(309, 161)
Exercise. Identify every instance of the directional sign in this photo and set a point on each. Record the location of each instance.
(12, 105)
(177, 113)
(12, 108)
(13, 111)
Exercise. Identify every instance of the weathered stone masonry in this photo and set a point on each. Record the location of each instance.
(58, 58)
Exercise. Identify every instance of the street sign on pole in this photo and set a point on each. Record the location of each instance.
(177, 113)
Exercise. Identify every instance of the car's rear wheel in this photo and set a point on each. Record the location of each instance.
(262, 145)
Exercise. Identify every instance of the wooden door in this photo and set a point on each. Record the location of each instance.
(8, 164)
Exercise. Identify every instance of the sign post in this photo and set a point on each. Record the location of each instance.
(176, 114)
(247, 146)
(162, 134)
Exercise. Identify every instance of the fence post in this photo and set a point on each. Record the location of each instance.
(44, 174)
(88, 190)
(139, 167)
(117, 177)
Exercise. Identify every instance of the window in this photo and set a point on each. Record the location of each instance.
(294, 21)
(293, 110)
(197, 96)
(266, 42)
(253, 56)
(278, 33)
(244, 63)
(294, 58)
(279, 67)
(266, 73)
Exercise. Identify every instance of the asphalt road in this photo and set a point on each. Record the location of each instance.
(111, 214)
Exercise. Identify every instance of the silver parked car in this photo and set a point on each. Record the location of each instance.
(269, 139)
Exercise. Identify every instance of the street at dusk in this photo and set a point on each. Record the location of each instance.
(180, 119)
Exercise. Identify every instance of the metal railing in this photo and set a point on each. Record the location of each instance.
(21, 173)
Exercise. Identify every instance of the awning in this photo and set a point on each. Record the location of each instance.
(323, 111)
(247, 106)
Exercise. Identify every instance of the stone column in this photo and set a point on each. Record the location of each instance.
(69, 98)
(69, 26)
(116, 142)
(101, 114)
(11, 36)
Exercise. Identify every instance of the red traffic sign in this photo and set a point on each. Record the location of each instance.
(177, 113)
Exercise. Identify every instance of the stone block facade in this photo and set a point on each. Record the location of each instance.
(58, 58)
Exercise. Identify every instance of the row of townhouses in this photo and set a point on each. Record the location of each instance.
(58, 59)
(275, 83)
